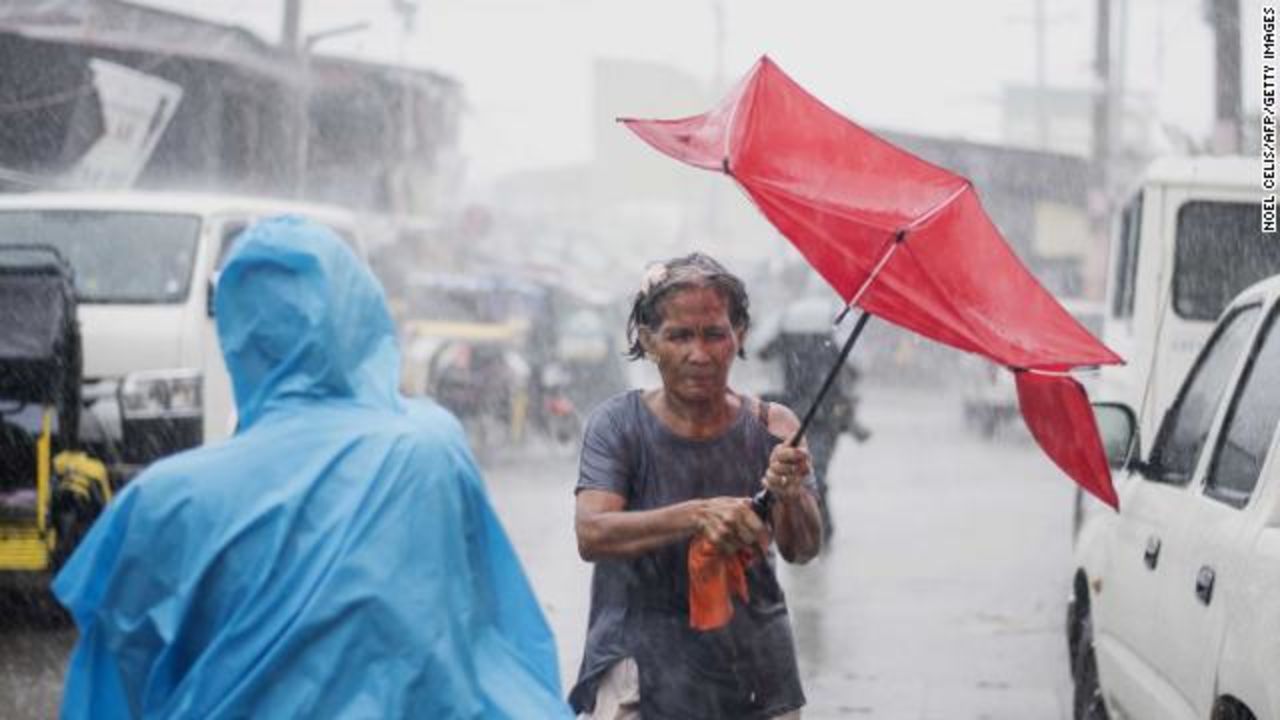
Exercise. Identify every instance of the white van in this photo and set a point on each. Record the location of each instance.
(144, 266)
(1188, 240)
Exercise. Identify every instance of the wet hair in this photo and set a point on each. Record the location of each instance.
(664, 279)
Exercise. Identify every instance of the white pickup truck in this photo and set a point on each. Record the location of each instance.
(144, 267)
(1175, 613)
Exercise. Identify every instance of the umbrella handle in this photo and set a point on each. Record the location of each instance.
(762, 501)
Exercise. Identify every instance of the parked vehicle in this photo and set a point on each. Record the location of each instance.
(1174, 611)
(144, 266)
(51, 490)
(1187, 240)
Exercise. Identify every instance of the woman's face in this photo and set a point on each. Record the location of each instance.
(695, 345)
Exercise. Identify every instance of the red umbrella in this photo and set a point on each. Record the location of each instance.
(904, 240)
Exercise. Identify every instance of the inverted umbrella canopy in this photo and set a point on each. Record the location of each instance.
(906, 240)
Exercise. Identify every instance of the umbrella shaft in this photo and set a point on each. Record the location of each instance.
(763, 500)
(831, 377)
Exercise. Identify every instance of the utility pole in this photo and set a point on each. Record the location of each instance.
(403, 197)
(298, 125)
(1102, 100)
(1042, 114)
(717, 87)
(291, 31)
(1100, 201)
(1224, 17)
(1041, 107)
(717, 80)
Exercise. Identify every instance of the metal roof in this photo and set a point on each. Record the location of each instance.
(121, 25)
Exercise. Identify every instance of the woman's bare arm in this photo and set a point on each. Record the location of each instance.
(607, 530)
(797, 521)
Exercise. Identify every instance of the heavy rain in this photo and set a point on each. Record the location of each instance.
(1037, 206)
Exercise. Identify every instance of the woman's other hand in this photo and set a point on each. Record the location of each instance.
(731, 524)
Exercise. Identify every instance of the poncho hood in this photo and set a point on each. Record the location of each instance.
(301, 318)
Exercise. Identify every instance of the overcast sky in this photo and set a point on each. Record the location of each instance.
(935, 67)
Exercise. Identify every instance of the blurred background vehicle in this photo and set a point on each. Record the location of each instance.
(144, 267)
(507, 355)
(51, 490)
(1187, 240)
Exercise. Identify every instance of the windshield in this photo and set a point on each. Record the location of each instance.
(1220, 251)
(118, 257)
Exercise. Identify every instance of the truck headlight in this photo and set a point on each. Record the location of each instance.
(161, 394)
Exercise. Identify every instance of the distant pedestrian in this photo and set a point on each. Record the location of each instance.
(336, 558)
(807, 355)
(668, 471)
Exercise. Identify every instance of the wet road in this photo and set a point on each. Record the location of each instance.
(34, 645)
(942, 595)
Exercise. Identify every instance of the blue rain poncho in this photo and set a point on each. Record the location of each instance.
(337, 557)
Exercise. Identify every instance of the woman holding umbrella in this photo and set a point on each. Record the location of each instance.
(675, 465)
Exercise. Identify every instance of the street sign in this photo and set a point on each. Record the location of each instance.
(136, 109)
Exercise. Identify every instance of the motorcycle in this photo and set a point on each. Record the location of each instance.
(558, 415)
(484, 385)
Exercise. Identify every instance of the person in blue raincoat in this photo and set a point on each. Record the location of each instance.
(337, 557)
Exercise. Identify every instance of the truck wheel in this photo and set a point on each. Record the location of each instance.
(1087, 703)
(1229, 709)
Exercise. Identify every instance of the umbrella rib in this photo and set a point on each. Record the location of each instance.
(733, 118)
(936, 209)
(866, 284)
(827, 207)
(1046, 373)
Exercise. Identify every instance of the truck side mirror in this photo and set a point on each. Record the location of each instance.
(1118, 428)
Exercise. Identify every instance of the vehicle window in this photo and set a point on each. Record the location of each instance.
(1127, 258)
(1186, 425)
(117, 257)
(1249, 426)
(1220, 251)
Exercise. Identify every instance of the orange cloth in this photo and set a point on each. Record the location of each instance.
(712, 577)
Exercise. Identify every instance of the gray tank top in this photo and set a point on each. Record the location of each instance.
(640, 607)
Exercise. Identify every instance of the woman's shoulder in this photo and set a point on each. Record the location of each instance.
(777, 419)
(622, 409)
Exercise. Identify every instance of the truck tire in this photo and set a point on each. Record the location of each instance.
(1087, 703)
